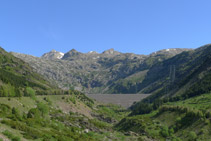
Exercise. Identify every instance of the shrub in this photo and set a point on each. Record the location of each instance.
(72, 99)
(192, 136)
(11, 136)
(43, 108)
(16, 113)
(142, 108)
(171, 131)
(165, 131)
(33, 113)
(30, 92)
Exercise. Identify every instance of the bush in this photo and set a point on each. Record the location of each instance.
(171, 131)
(34, 113)
(142, 108)
(192, 136)
(43, 108)
(72, 99)
(30, 92)
(11, 136)
(165, 131)
(16, 113)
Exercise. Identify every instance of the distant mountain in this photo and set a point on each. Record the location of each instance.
(111, 52)
(169, 52)
(92, 72)
(52, 55)
(180, 74)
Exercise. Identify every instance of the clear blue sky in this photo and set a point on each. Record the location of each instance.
(139, 26)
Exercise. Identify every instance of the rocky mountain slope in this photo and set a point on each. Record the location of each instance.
(180, 74)
(189, 77)
(92, 72)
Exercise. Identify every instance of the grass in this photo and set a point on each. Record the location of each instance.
(11, 136)
(66, 119)
(201, 102)
(4, 128)
(112, 111)
(23, 103)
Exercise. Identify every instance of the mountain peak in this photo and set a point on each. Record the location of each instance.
(111, 52)
(53, 54)
(71, 53)
(170, 51)
(73, 50)
(53, 50)
(92, 52)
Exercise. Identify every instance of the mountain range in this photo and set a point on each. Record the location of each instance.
(92, 72)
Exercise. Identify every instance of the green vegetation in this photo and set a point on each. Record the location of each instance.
(11, 136)
(56, 117)
(15, 76)
(181, 120)
(111, 113)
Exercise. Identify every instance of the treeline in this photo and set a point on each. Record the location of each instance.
(187, 116)
(147, 105)
(203, 86)
(126, 87)
(18, 81)
(13, 85)
(144, 107)
(194, 113)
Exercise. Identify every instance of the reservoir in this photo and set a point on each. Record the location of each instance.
(125, 100)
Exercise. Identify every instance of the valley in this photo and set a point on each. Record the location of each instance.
(33, 106)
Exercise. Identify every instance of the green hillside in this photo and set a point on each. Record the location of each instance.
(182, 120)
(192, 78)
(179, 107)
(59, 117)
(178, 75)
(17, 78)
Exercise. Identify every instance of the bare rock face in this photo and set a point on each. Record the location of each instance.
(52, 55)
(170, 52)
(72, 54)
(111, 52)
(92, 72)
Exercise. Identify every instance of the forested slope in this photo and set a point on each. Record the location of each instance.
(179, 108)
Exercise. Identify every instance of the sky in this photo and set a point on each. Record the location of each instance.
(137, 26)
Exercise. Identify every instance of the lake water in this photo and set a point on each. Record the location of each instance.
(125, 100)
